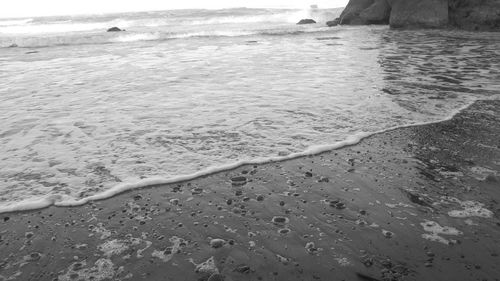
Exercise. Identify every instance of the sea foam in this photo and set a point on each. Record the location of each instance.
(66, 201)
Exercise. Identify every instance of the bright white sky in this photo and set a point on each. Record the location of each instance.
(33, 8)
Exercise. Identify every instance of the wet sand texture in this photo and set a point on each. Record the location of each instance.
(419, 203)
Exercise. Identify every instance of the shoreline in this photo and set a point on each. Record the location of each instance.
(418, 203)
(55, 200)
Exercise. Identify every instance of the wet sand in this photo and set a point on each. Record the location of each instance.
(418, 203)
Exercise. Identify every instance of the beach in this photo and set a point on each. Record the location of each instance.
(414, 203)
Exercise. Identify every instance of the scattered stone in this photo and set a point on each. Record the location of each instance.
(387, 234)
(33, 257)
(196, 191)
(337, 204)
(260, 198)
(207, 267)
(492, 178)
(309, 174)
(217, 243)
(280, 220)
(238, 181)
(243, 269)
(284, 231)
(310, 247)
(324, 179)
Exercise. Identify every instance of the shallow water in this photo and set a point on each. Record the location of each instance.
(77, 120)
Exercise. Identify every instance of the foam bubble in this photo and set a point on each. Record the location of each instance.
(436, 230)
(136, 37)
(469, 209)
(59, 200)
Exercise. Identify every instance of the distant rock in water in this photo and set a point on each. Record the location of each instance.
(14, 45)
(306, 21)
(334, 22)
(115, 29)
(464, 14)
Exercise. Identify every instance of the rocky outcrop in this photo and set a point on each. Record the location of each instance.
(334, 22)
(306, 21)
(351, 13)
(115, 29)
(422, 13)
(464, 14)
(377, 13)
(475, 14)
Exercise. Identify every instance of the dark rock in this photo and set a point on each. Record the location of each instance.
(334, 22)
(244, 269)
(14, 45)
(366, 277)
(196, 191)
(419, 14)
(492, 178)
(378, 13)
(237, 181)
(351, 13)
(474, 14)
(306, 21)
(115, 29)
(217, 243)
(480, 15)
(279, 220)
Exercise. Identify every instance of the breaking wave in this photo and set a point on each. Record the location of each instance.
(66, 201)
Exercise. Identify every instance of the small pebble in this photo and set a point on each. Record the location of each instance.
(217, 243)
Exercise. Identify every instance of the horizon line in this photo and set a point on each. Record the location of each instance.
(153, 10)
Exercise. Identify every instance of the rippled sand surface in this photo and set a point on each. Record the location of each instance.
(78, 120)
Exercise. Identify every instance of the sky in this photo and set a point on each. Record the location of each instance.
(34, 8)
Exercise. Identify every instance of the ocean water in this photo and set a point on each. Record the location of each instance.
(86, 114)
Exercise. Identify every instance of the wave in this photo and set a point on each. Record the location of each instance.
(136, 37)
(65, 26)
(125, 37)
(67, 201)
(14, 22)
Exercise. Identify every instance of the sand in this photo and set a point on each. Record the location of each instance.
(419, 203)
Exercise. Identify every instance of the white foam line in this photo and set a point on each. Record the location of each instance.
(58, 200)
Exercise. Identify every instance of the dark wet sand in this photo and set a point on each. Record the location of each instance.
(357, 213)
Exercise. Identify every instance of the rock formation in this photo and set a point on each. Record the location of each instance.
(377, 13)
(115, 29)
(423, 13)
(306, 21)
(475, 14)
(465, 14)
